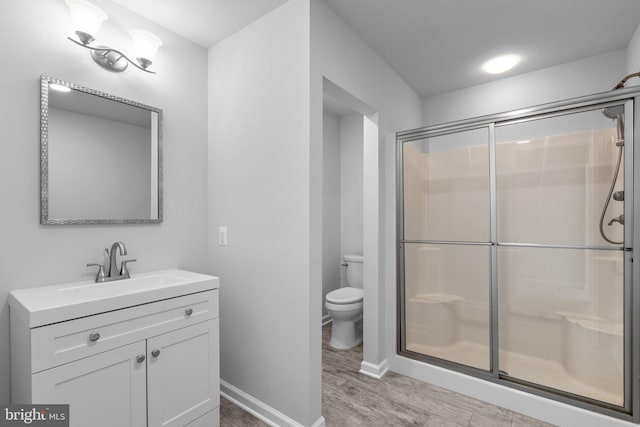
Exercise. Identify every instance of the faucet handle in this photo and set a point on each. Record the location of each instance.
(106, 257)
(100, 276)
(123, 269)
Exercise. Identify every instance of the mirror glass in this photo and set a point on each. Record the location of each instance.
(101, 157)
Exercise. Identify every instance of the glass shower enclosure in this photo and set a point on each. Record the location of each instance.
(515, 246)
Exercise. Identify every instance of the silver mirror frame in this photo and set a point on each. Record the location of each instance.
(44, 156)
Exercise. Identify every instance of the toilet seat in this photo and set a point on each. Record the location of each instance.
(346, 295)
(344, 308)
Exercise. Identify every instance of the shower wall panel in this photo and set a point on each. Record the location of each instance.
(447, 187)
(447, 303)
(551, 189)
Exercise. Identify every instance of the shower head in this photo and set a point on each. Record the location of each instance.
(616, 113)
(612, 113)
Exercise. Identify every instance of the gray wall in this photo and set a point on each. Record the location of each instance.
(591, 75)
(633, 58)
(259, 189)
(351, 184)
(340, 56)
(34, 255)
(265, 185)
(331, 226)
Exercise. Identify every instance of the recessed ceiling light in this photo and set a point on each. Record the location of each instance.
(500, 64)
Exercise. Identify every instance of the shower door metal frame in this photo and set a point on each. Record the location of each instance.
(630, 98)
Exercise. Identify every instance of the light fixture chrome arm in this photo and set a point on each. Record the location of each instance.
(111, 58)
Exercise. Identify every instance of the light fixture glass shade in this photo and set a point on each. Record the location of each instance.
(146, 44)
(87, 17)
(500, 64)
(59, 88)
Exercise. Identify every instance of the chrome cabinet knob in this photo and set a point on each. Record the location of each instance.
(140, 358)
(94, 337)
(188, 311)
(155, 353)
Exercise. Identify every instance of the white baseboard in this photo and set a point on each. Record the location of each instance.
(544, 409)
(326, 319)
(319, 422)
(373, 370)
(259, 409)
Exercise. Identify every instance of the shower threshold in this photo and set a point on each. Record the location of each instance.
(534, 370)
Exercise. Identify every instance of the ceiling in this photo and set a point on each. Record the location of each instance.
(434, 45)
(204, 22)
(439, 45)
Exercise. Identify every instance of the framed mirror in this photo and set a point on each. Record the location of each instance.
(100, 157)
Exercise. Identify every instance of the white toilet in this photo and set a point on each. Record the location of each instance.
(344, 306)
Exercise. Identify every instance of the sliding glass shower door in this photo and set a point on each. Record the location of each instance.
(560, 271)
(515, 249)
(447, 247)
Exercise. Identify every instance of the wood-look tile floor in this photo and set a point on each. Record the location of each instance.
(352, 399)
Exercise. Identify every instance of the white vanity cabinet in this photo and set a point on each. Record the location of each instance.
(149, 364)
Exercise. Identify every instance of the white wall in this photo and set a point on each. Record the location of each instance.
(35, 255)
(331, 207)
(633, 58)
(351, 184)
(259, 188)
(584, 77)
(340, 56)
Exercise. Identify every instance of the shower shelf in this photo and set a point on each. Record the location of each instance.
(594, 323)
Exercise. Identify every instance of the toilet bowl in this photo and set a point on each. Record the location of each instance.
(344, 306)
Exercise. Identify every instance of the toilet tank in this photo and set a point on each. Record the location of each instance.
(354, 270)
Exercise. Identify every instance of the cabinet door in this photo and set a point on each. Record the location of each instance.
(183, 376)
(105, 390)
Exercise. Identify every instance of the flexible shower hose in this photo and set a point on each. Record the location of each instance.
(606, 203)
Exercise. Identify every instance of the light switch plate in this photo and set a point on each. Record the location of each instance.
(222, 236)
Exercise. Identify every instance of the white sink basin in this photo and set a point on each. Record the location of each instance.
(120, 287)
(51, 304)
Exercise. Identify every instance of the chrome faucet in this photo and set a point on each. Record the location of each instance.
(113, 255)
(112, 272)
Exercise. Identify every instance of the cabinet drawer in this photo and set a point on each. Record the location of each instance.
(60, 343)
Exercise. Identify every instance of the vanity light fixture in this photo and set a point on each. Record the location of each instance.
(500, 64)
(59, 88)
(87, 19)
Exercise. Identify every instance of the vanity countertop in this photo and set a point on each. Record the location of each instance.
(51, 304)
